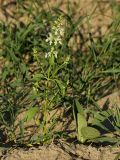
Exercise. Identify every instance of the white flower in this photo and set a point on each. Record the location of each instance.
(50, 39)
(52, 52)
(55, 53)
(46, 55)
(55, 37)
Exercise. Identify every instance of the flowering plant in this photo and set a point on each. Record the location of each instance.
(48, 83)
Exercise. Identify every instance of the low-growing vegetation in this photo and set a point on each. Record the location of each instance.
(54, 71)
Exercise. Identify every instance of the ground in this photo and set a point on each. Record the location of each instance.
(62, 151)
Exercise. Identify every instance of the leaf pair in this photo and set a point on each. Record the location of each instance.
(83, 130)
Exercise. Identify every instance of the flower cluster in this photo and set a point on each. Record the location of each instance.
(55, 37)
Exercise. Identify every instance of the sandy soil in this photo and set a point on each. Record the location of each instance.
(62, 151)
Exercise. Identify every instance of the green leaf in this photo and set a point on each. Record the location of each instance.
(4, 74)
(81, 122)
(117, 116)
(52, 60)
(79, 107)
(38, 77)
(16, 83)
(105, 139)
(30, 114)
(61, 87)
(23, 68)
(57, 68)
(112, 70)
(102, 116)
(21, 126)
(89, 133)
(99, 124)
